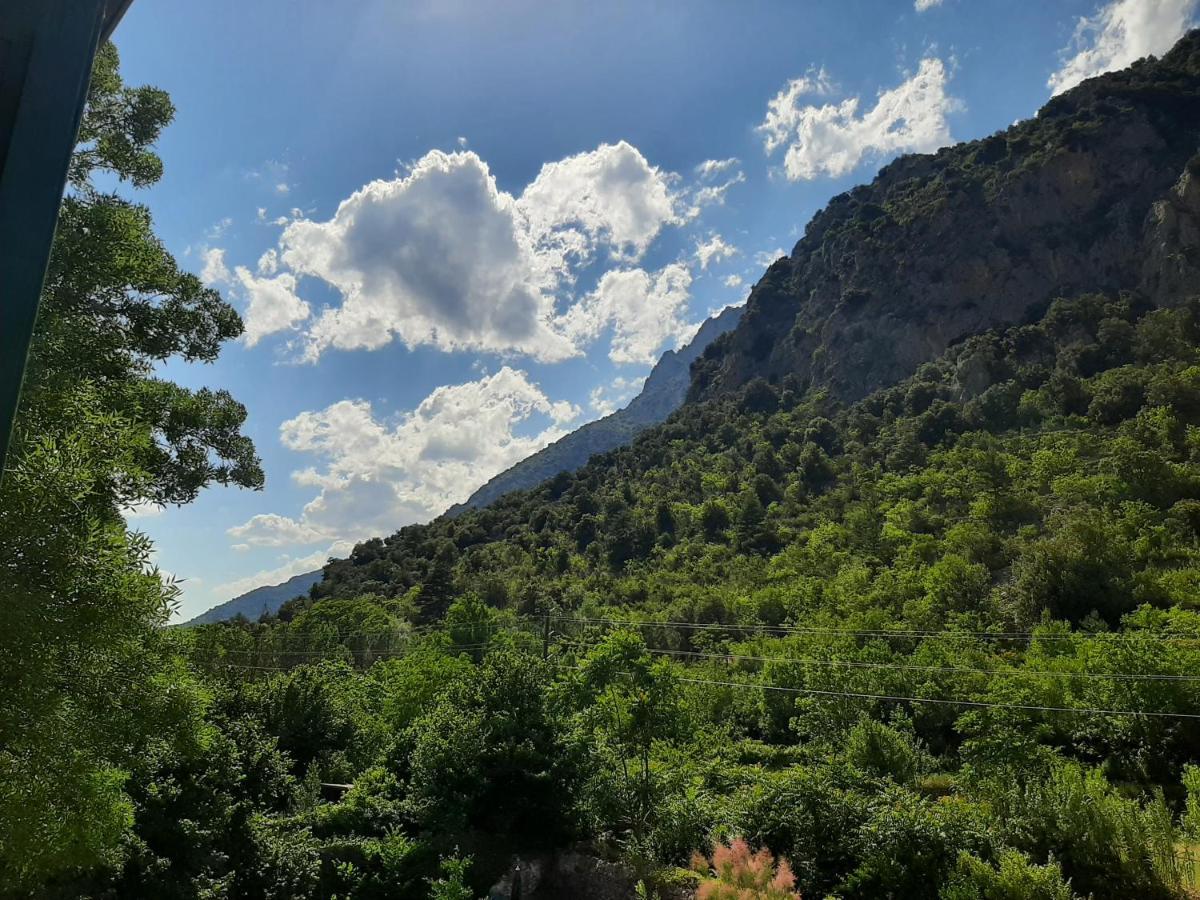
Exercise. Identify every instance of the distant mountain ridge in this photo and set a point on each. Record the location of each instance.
(253, 604)
(665, 389)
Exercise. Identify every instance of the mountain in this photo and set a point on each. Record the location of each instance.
(253, 604)
(982, 234)
(665, 388)
(1096, 197)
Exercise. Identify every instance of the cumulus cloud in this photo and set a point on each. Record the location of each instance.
(644, 310)
(1120, 33)
(924, 5)
(714, 250)
(733, 281)
(271, 530)
(610, 195)
(832, 139)
(373, 476)
(272, 304)
(439, 256)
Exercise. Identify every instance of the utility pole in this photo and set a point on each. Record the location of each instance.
(47, 48)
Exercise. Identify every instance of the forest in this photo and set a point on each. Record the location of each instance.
(940, 641)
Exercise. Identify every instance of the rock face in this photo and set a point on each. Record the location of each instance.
(253, 604)
(1097, 193)
(661, 395)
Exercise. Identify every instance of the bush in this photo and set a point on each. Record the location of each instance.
(734, 873)
(879, 749)
(1016, 878)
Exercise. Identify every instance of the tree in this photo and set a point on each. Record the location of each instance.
(629, 701)
(714, 519)
(489, 755)
(87, 682)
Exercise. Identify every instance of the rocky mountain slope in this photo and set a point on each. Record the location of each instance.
(1096, 193)
(665, 388)
(253, 604)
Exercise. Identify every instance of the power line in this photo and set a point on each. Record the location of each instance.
(398, 634)
(948, 702)
(984, 704)
(866, 664)
(334, 653)
(217, 657)
(880, 633)
(817, 692)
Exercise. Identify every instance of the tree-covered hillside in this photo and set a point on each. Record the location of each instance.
(941, 642)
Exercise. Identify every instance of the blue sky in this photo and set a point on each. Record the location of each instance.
(458, 230)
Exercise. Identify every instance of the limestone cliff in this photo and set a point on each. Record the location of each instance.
(1098, 192)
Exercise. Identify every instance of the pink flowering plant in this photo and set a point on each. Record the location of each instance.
(734, 873)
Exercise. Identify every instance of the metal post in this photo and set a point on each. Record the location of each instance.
(47, 48)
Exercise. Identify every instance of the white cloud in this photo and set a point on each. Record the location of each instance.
(714, 250)
(438, 256)
(707, 192)
(733, 281)
(144, 510)
(283, 188)
(373, 476)
(644, 309)
(607, 398)
(441, 256)
(214, 271)
(766, 257)
(271, 530)
(218, 229)
(278, 220)
(833, 139)
(1120, 33)
(711, 168)
(272, 304)
(713, 194)
(609, 195)
(281, 573)
(925, 5)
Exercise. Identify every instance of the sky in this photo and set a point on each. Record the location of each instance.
(458, 230)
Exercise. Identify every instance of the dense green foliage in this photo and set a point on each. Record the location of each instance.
(944, 640)
(88, 686)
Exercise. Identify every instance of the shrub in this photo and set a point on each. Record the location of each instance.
(879, 749)
(734, 873)
(1016, 878)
